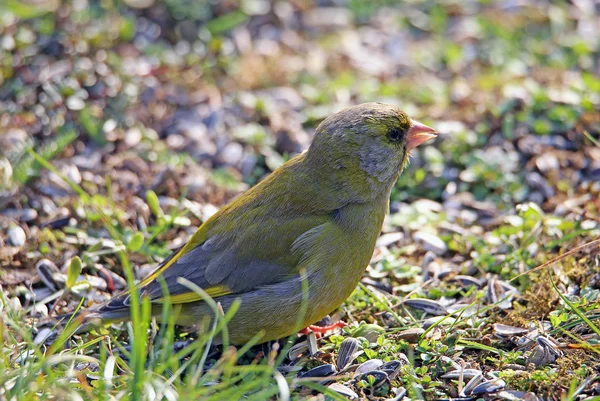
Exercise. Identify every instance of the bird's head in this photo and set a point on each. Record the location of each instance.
(371, 139)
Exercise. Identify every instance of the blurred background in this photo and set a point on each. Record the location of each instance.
(126, 123)
(198, 100)
(135, 90)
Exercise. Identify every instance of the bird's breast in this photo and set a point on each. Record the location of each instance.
(346, 256)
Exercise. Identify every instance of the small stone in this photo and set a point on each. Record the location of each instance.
(389, 239)
(232, 153)
(6, 172)
(369, 331)
(133, 136)
(431, 242)
(14, 304)
(75, 103)
(21, 215)
(343, 390)
(109, 126)
(8, 42)
(16, 236)
(72, 173)
(327, 18)
(39, 310)
(411, 336)
(546, 162)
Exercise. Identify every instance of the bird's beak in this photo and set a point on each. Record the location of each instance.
(419, 133)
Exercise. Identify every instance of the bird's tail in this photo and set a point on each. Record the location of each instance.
(78, 322)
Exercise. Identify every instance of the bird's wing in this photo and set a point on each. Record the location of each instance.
(228, 264)
(251, 242)
(224, 264)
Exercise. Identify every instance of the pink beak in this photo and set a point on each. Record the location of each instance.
(419, 133)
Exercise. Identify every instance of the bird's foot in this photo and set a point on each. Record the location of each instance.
(321, 330)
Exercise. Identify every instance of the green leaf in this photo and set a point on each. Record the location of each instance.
(226, 22)
(23, 10)
(73, 272)
(92, 126)
(153, 204)
(575, 309)
(136, 242)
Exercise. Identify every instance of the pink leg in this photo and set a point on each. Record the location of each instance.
(320, 330)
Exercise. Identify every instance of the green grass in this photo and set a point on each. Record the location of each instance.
(510, 187)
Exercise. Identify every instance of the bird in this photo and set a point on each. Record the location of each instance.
(292, 248)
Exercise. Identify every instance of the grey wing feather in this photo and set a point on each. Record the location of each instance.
(207, 266)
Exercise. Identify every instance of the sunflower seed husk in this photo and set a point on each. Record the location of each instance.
(540, 356)
(411, 335)
(450, 361)
(550, 345)
(465, 309)
(513, 395)
(392, 368)
(380, 377)
(347, 353)
(456, 399)
(371, 364)
(438, 320)
(468, 281)
(21, 215)
(24, 357)
(39, 295)
(320, 371)
(503, 330)
(427, 305)
(489, 387)
(584, 384)
(500, 293)
(47, 271)
(527, 338)
(343, 390)
(428, 259)
(400, 394)
(286, 369)
(297, 350)
(430, 242)
(43, 335)
(466, 374)
(313, 347)
(474, 382)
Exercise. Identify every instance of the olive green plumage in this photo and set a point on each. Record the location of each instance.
(320, 214)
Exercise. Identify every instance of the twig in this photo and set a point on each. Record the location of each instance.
(559, 258)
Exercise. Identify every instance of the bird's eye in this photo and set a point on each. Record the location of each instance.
(395, 134)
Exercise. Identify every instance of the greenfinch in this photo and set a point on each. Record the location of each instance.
(293, 247)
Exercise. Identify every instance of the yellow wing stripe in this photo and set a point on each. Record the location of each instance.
(158, 272)
(213, 292)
